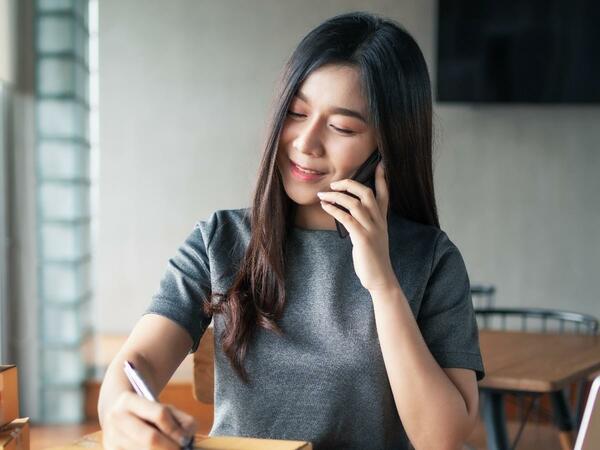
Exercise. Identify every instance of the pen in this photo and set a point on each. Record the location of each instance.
(142, 389)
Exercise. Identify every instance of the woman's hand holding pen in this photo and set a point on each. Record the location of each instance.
(367, 225)
(135, 422)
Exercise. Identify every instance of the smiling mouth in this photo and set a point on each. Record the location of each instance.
(307, 171)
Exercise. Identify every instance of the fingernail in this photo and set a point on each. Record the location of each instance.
(320, 194)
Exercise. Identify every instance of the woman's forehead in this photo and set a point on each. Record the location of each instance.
(334, 86)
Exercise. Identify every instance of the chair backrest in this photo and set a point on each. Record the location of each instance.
(588, 437)
(204, 382)
(483, 295)
(536, 320)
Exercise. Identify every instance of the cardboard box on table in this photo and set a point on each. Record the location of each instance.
(94, 441)
(15, 435)
(9, 394)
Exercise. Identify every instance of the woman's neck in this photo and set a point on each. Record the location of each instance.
(313, 217)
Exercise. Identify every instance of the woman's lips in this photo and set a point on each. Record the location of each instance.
(304, 176)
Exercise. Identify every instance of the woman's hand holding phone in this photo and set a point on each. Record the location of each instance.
(365, 174)
(366, 222)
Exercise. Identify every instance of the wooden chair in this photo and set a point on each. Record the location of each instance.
(204, 381)
(545, 321)
(483, 295)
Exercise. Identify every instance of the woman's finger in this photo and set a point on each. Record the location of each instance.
(353, 205)
(364, 193)
(187, 422)
(382, 189)
(157, 414)
(344, 218)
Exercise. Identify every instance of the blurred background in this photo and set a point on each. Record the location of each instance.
(123, 123)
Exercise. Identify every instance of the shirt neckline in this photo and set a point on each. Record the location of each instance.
(313, 230)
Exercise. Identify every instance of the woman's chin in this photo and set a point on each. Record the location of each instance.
(305, 199)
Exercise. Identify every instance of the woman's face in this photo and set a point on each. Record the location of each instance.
(326, 131)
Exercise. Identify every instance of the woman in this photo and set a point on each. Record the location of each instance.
(357, 343)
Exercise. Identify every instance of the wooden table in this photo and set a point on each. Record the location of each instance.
(93, 441)
(532, 362)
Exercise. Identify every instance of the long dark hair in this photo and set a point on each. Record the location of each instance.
(396, 84)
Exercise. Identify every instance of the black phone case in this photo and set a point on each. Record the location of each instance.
(365, 174)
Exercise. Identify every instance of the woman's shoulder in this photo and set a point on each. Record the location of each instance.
(227, 216)
(226, 224)
(422, 239)
(408, 230)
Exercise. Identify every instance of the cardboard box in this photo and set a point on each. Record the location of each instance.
(15, 435)
(9, 394)
(94, 441)
(244, 443)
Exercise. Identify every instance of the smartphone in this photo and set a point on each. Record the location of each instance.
(365, 174)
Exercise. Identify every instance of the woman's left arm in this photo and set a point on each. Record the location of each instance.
(438, 407)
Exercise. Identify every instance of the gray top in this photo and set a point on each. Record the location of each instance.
(324, 381)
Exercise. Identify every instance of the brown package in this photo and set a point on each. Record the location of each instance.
(9, 395)
(15, 435)
(93, 441)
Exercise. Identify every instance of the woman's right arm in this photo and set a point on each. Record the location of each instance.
(156, 347)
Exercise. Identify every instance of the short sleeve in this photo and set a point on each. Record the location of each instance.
(183, 287)
(446, 318)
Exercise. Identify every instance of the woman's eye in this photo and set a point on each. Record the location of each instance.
(341, 130)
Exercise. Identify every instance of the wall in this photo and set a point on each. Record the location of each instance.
(7, 41)
(518, 191)
(184, 93)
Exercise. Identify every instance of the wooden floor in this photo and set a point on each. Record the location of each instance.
(534, 438)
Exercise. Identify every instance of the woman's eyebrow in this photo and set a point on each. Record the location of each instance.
(336, 109)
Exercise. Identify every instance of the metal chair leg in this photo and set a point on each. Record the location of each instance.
(563, 419)
(494, 418)
(582, 387)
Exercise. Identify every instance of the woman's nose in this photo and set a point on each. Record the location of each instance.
(308, 139)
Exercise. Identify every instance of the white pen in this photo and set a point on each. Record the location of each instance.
(142, 389)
